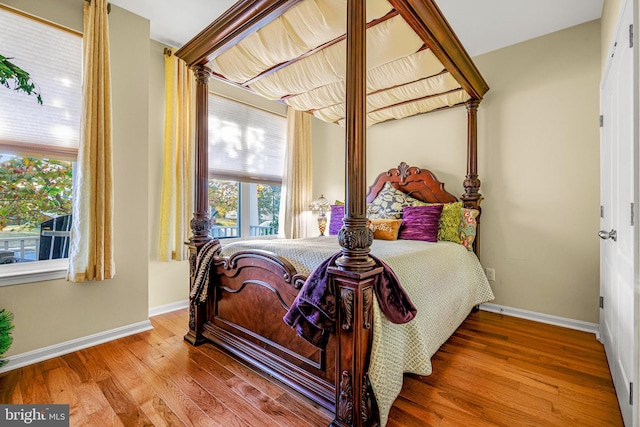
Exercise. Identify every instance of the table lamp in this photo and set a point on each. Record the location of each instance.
(322, 206)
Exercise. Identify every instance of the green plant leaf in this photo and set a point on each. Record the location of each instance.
(14, 77)
(6, 326)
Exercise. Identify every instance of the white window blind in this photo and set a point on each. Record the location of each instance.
(245, 143)
(52, 56)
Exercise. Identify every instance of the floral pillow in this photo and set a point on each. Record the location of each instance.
(468, 226)
(389, 203)
(385, 229)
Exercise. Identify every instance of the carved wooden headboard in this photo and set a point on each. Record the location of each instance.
(421, 184)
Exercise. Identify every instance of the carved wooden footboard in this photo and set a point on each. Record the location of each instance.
(250, 292)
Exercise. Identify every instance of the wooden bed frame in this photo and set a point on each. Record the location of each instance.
(336, 377)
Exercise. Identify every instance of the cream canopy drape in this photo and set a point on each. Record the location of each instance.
(299, 58)
(296, 180)
(91, 249)
(177, 179)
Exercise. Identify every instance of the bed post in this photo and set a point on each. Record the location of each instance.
(472, 197)
(356, 272)
(200, 224)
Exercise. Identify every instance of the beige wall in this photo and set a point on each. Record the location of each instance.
(609, 21)
(56, 311)
(328, 160)
(539, 158)
(538, 162)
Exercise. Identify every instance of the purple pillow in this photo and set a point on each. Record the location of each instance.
(335, 222)
(420, 223)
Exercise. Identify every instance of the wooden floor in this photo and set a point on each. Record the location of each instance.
(494, 371)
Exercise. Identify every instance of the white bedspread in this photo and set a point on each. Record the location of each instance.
(444, 281)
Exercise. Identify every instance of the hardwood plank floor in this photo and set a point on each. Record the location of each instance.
(494, 371)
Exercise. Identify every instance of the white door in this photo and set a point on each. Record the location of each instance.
(618, 250)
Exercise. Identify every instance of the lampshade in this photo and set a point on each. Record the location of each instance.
(321, 205)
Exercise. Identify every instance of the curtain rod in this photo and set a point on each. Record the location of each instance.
(108, 5)
(167, 51)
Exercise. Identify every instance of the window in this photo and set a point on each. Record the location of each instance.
(246, 157)
(38, 142)
(35, 208)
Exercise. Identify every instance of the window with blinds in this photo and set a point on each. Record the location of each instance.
(38, 143)
(52, 55)
(245, 143)
(246, 160)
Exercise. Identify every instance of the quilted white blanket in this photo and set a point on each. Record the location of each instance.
(444, 281)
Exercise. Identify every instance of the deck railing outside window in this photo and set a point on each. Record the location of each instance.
(223, 231)
(23, 249)
(16, 249)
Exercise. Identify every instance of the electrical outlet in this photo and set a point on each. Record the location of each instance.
(491, 273)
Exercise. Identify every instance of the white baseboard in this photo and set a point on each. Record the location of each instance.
(161, 309)
(543, 318)
(24, 359)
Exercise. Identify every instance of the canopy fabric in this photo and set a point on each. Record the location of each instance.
(299, 58)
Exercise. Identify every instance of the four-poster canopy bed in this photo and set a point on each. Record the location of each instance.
(323, 70)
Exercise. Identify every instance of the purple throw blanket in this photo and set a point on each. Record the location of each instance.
(313, 312)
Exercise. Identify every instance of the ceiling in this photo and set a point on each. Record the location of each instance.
(481, 26)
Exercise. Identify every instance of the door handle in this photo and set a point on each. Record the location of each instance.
(604, 235)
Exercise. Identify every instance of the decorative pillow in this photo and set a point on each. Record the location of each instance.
(420, 223)
(467, 228)
(449, 222)
(385, 229)
(335, 222)
(389, 203)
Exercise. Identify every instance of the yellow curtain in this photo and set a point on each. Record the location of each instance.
(177, 179)
(296, 181)
(91, 250)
